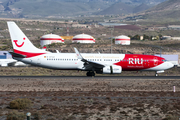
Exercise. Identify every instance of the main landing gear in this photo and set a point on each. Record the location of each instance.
(90, 73)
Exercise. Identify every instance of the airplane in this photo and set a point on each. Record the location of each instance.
(11, 62)
(4, 61)
(26, 52)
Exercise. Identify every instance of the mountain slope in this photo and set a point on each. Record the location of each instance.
(117, 8)
(167, 9)
(50, 7)
(140, 8)
(122, 8)
(54, 7)
(63, 8)
(167, 5)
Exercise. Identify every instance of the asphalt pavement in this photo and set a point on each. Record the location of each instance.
(96, 77)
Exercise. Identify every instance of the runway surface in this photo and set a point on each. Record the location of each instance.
(106, 96)
(96, 77)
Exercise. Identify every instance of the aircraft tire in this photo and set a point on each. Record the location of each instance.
(90, 74)
(156, 74)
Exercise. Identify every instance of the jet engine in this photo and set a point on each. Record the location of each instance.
(110, 70)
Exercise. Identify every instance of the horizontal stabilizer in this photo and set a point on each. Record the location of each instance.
(17, 55)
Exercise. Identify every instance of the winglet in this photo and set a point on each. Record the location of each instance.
(79, 56)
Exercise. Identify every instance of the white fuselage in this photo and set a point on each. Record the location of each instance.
(70, 61)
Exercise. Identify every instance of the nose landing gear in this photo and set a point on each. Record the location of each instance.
(156, 74)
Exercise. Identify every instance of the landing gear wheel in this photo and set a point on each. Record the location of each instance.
(156, 74)
(93, 74)
(90, 74)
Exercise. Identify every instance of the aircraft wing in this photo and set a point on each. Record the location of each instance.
(88, 65)
(7, 62)
(11, 63)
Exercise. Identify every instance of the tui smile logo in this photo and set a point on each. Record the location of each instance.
(15, 41)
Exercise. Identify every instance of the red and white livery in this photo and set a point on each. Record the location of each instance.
(50, 38)
(26, 52)
(83, 38)
(123, 40)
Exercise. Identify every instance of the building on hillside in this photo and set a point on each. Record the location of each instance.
(50, 38)
(175, 38)
(81, 26)
(166, 38)
(169, 38)
(174, 27)
(83, 38)
(123, 40)
(108, 24)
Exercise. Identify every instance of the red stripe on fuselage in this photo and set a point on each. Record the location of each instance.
(28, 54)
(133, 62)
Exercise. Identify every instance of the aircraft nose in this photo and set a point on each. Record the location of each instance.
(170, 65)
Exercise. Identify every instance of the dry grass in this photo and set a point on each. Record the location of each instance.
(20, 103)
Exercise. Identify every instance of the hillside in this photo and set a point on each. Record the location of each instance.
(117, 8)
(166, 10)
(166, 6)
(42, 8)
(141, 7)
(122, 8)
(138, 2)
(64, 8)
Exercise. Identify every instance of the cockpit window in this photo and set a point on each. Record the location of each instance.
(164, 60)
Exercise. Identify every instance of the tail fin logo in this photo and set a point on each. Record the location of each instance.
(15, 41)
